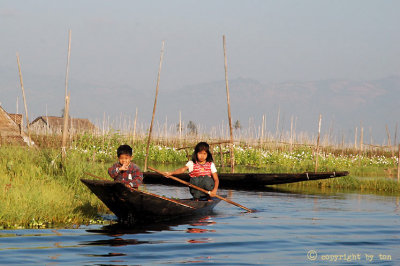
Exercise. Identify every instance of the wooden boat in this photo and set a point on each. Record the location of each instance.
(139, 206)
(248, 180)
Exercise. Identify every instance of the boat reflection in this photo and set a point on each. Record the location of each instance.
(205, 221)
(120, 233)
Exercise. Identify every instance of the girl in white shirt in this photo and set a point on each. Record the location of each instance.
(202, 172)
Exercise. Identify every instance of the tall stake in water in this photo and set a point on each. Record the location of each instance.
(180, 127)
(229, 109)
(291, 134)
(23, 95)
(66, 108)
(317, 151)
(134, 126)
(154, 107)
(355, 139)
(389, 141)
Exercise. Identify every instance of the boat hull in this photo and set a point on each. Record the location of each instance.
(136, 206)
(248, 180)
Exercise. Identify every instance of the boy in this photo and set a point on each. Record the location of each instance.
(124, 170)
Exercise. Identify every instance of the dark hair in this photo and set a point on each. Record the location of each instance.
(124, 149)
(202, 146)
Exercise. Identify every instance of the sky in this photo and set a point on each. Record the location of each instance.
(116, 44)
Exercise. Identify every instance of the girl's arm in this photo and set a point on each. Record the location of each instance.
(178, 171)
(216, 184)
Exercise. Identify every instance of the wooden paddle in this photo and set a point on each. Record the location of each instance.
(145, 192)
(199, 188)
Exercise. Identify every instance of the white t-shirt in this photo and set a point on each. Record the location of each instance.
(190, 166)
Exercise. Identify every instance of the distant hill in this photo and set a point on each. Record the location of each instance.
(344, 104)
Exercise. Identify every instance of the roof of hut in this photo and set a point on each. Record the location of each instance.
(17, 118)
(10, 131)
(58, 122)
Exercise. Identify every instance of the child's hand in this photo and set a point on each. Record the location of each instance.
(124, 167)
(212, 193)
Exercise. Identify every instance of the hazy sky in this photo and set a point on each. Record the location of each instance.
(117, 43)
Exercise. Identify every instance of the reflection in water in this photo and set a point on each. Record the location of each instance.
(116, 242)
(111, 254)
(205, 221)
(198, 230)
(287, 226)
(56, 232)
(117, 231)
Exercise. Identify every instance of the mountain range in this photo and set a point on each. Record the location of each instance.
(343, 104)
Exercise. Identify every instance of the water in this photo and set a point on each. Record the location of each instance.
(289, 228)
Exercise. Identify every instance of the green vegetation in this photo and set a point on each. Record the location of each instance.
(37, 193)
(376, 185)
(38, 190)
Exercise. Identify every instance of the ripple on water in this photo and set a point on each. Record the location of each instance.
(284, 229)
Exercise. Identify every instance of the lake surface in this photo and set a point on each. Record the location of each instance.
(288, 228)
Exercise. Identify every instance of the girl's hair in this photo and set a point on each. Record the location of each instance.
(202, 146)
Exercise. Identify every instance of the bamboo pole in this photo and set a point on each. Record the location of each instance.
(318, 139)
(361, 138)
(355, 139)
(291, 134)
(23, 95)
(388, 135)
(262, 129)
(65, 127)
(180, 127)
(389, 141)
(154, 108)
(67, 100)
(134, 126)
(277, 124)
(229, 108)
(15, 119)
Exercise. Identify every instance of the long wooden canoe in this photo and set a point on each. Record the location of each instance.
(139, 206)
(247, 180)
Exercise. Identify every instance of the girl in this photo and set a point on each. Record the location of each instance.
(202, 172)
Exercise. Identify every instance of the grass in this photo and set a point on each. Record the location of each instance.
(38, 192)
(376, 185)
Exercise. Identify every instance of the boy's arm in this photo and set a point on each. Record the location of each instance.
(113, 171)
(137, 175)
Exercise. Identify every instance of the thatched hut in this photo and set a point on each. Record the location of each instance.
(18, 118)
(11, 131)
(54, 125)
